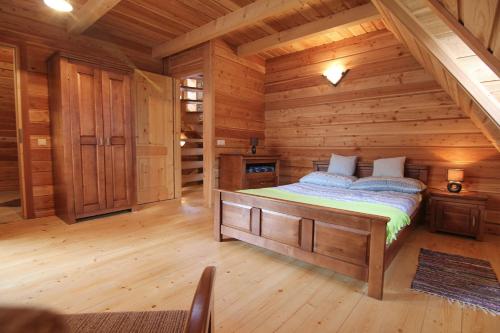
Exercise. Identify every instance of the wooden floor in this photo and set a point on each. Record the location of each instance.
(152, 259)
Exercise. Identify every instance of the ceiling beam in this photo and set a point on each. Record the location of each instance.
(253, 13)
(466, 36)
(324, 25)
(483, 110)
(88, 14)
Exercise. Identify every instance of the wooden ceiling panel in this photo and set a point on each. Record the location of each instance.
(151, 22)
(143, 24)
(477, 23)
(35, 10)
(454, 43)
(147, 22)
(463, 87)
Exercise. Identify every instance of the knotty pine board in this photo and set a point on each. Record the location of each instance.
(386, 106)
(239, 102)
(239, 99)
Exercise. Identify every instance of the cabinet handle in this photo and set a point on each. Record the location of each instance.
(108, 141)
(100, 142)
(473, 221)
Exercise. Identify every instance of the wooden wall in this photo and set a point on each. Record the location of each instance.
(238, 91)
(386, 106)
(9, 171)
(238, 94)
(238, 102)
(37, 42)
(239, 99)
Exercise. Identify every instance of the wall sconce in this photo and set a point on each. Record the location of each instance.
(455, 179)
(335, 74)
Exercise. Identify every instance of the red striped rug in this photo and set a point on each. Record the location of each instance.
(466, 280)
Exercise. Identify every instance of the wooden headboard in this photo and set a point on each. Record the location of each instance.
(365, 169)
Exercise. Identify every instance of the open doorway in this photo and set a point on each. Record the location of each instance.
(11, 201)
(191, 95)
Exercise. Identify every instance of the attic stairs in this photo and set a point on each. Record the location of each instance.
(192, 131)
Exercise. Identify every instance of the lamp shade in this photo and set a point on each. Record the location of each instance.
(335, 73)
(455, 175)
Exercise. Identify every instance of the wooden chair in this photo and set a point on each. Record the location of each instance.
(199, 319)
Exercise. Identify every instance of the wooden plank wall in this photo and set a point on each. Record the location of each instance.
(238, 101)
(238, 87)
(9, 172)
(37, 100)
(386, 106)
(35, 49)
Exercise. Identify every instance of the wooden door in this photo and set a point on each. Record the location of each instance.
(87, 140)
(118, 139)
(154, 114)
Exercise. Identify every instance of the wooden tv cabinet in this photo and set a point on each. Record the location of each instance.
(235, 171)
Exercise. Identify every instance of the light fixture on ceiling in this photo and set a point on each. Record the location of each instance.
(335, 74)
(59, 5)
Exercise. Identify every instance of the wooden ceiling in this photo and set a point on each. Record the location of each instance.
(477, 23)
(422, 32)
(142, 24)
(465, 57)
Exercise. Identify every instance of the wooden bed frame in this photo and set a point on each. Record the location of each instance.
(348, 242)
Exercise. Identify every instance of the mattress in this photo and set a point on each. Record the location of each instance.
(405, 202)
(397, 206)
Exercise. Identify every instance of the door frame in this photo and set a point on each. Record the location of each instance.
(21, 136)
(205, 68)
(208, 123)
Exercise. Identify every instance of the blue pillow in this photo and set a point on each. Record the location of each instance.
(328, 179)
(397, 184)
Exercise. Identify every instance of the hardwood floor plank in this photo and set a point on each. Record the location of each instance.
(152, 259)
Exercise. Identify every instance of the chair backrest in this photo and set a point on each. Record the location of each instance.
(201, 314)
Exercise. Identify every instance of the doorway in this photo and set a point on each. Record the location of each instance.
(11, 181)
(191, 99)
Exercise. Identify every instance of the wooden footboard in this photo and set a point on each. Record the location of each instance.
(348, 242)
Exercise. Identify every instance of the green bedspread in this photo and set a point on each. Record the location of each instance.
(398, 218)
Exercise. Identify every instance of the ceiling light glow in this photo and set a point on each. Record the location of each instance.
(59, 5)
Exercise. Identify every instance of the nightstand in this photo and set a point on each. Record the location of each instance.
(457, 213)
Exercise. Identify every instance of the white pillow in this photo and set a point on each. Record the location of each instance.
(342, 165)
(389, 167)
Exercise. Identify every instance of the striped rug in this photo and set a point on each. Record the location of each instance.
(465, 280)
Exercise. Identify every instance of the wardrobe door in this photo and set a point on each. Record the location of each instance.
(87, 140)
(118, 139)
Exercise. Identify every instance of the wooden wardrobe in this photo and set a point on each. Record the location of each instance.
(92, 137)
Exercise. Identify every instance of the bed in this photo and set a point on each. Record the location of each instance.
(349, 242)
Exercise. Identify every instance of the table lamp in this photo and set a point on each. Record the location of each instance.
(455, 179)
